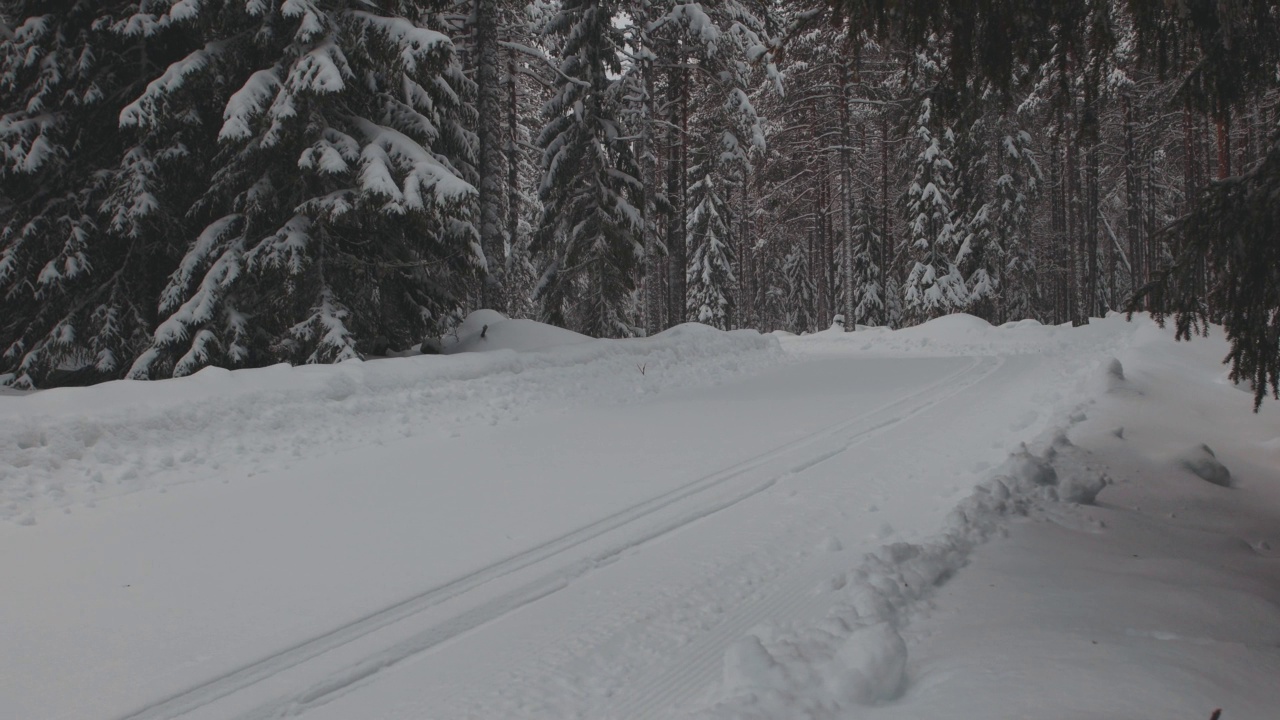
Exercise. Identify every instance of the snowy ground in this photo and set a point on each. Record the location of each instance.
(701, 524)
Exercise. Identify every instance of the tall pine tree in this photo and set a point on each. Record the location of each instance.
(589, 235)
(85, 209)
(337, 218)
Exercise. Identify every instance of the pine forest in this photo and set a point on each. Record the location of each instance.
(238, 183)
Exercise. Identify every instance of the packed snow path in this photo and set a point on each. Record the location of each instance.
(578, 556)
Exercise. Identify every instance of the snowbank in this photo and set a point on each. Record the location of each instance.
(858, 656)
(1162, 601)
(1159, 601)
(962, 334)
(489, 330)
(73, 446)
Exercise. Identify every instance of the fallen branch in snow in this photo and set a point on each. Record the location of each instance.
(641, 367)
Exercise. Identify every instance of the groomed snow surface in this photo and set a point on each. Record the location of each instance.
(949, 521)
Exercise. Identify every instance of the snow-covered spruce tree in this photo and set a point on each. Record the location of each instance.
(868, 285)
(934, 285)
(589, 234)
(85, 209)
(710, 277)
(800, 292)
(336, 219)
(1016, 188)
(979, 256)
(729, 38)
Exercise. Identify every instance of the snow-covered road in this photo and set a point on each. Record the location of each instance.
(594, 555)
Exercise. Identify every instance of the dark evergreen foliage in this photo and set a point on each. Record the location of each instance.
(589, 232)
(85, 207)
(1232, 244)
(1223, 56)
(336, 212)
(243, 182)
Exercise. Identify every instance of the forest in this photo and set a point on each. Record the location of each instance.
(238, 183)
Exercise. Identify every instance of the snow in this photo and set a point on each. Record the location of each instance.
(248, 103)
(68, 447)
(489, 330)
(1202, 462)
(1159, 601)
(322, 70)
(140, 111)
(950, 521)
(871, 667)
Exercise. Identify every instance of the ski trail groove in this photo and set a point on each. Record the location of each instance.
(336, 684)
(695, 667)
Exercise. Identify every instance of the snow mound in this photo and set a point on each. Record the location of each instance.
(1204, 464)
(489, 330)
(870, 667)
(954, 325)
(1111, 379)
(859, 657)
(961, 334)
(1022, 324)
(1027, 475)
(67, 447)
(750, 669)
(1027, 470)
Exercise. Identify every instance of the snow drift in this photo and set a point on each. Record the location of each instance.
(68, 446)
(857, 656)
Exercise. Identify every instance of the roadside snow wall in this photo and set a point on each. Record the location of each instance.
(72, 446)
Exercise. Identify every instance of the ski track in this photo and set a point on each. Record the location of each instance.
(791, 595)
(678, 682)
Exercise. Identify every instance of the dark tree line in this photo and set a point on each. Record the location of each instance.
(242, 182)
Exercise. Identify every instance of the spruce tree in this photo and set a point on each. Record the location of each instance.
(710, 276)
(85, 208)
(337, 217)
(1016, 187)
(868, 286)
(934, 285)
(589, 235)
(799, 292)
(728, 37)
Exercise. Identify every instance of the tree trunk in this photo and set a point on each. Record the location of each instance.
(846, 197)
(651, 299)
(513, 155)
(1223, 125)
(676, 251)
(1133, 200)
(489, 107)
(1093, 305)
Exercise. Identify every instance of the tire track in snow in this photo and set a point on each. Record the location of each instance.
(355, 674)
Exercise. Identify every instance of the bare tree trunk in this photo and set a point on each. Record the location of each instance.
(651, 298)
(1223, 123)
(489, 106)
(1093, 304)
(1074, 309)
(1061, 236)
(677, 170)
(818, 265)
(884, 216)
(513, 154)
(846, 197)
(1133, 200)
(745, 298)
